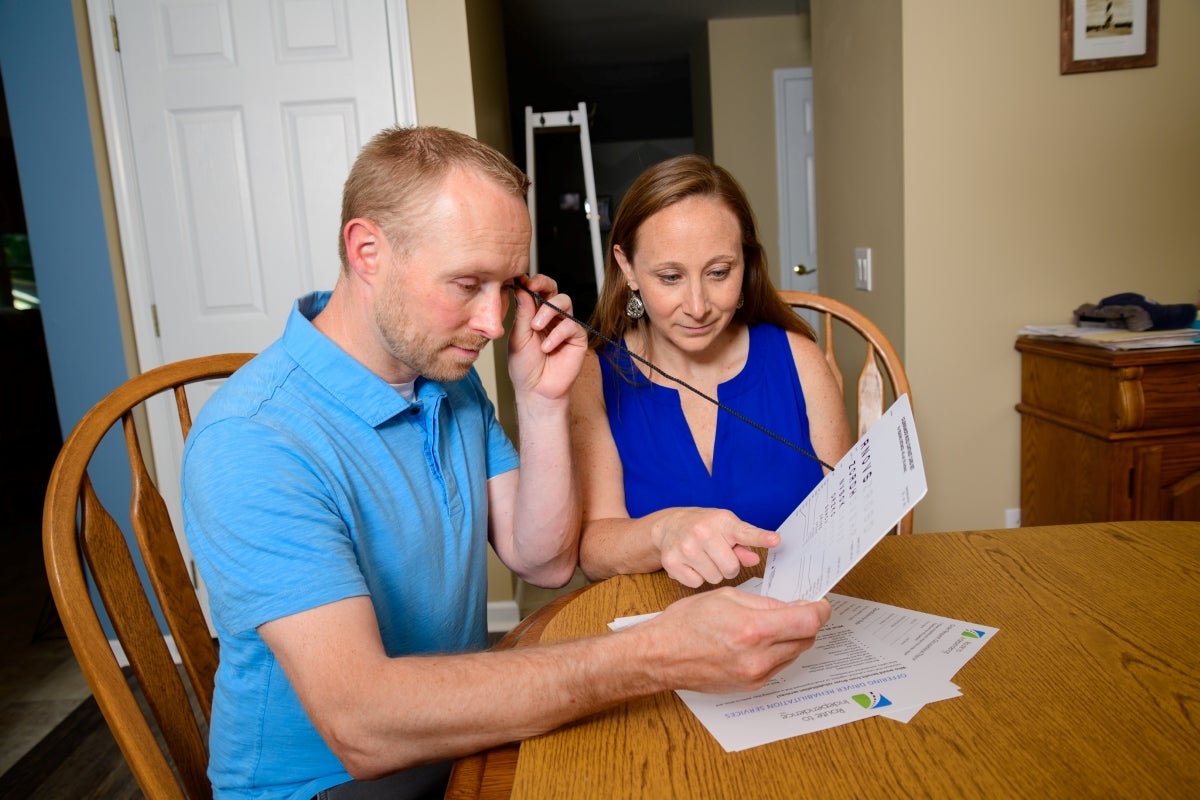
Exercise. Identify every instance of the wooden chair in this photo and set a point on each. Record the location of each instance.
(165, 744)
(880, 358)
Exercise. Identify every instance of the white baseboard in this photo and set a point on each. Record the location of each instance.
(503, 616)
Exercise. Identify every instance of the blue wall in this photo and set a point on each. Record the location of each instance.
(39, 58)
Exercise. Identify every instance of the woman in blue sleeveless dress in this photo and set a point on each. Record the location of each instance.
(669, 480)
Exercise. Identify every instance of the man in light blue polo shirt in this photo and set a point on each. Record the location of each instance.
(341, 490)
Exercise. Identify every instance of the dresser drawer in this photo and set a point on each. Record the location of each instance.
(1112, 392)
(1169, 395)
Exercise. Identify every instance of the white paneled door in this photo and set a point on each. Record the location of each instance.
(231, 126)
(243, 118)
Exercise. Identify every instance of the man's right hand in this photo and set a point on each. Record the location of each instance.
(727, 640)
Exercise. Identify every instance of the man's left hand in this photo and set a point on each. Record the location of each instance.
(545, 349)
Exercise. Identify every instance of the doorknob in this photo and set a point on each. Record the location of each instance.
(800, 269)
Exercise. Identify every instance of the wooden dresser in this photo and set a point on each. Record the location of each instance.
(1108, 435)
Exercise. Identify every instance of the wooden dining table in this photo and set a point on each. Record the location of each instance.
(1091, 687)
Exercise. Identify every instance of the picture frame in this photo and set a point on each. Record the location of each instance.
(1098, 35)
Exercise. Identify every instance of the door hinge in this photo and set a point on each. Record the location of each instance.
(154, 316)
(112, 21)
(195, 577)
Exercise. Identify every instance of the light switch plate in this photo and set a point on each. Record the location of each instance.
(862, 268)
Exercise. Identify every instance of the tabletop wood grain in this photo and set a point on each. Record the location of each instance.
(1091, 688)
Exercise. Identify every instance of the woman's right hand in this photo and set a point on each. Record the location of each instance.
(699, 545)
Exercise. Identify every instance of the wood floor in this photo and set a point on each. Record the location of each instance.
(78, 759)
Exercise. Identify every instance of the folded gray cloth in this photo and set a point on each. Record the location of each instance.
(1135, 318)
(1136, 313)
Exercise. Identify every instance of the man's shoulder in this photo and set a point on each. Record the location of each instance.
(252, 424)
(257, 381)
(261, 391)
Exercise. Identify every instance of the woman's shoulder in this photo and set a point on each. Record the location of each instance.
(805, 350)
(811, 361)
(615, 363)
(611, 349)
(767, 328)
(770, 333)
(806, 353)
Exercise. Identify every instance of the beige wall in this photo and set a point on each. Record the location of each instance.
(489, 74)
(1025, 193)
(441, 64)
(858, 138)
(743, 55)
(858, 150)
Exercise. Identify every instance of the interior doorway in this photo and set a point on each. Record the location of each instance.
(29, 428)
(36, 651)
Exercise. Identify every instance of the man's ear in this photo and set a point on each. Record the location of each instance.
(366, 246)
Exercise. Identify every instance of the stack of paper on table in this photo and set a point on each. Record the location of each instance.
(1115, 338)
(870, 659)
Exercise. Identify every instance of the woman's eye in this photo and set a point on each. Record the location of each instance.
(669, 279)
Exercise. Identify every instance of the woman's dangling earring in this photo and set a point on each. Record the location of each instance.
(635, 308)
(741, 300)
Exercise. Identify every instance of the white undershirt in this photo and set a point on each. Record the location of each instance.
(406, 390)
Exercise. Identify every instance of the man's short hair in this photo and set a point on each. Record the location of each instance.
(394, 178)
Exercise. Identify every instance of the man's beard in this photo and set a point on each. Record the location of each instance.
(421, 352)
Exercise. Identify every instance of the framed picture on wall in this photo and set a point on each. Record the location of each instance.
(1100, 35)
